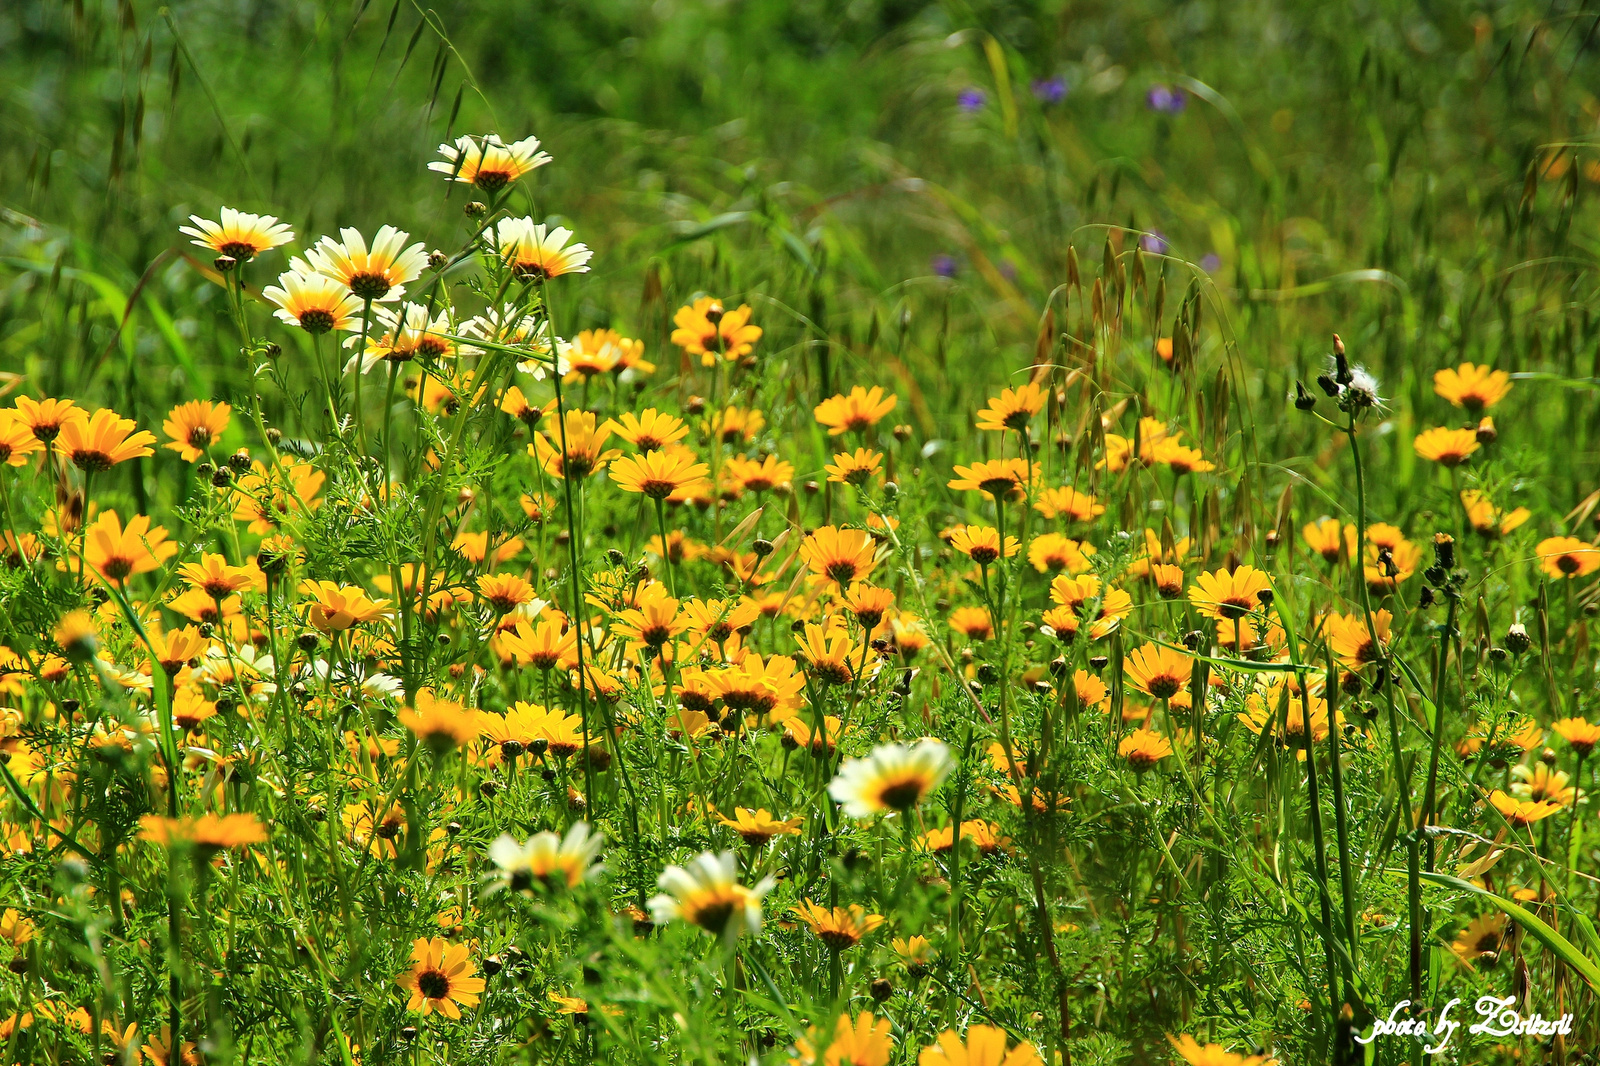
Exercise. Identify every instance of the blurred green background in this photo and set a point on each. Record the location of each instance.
(894, 184)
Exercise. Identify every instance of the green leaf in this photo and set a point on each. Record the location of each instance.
(1586, 967)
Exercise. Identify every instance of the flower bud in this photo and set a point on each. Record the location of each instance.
(1517, 639)
(224, 263)
(1487, 434)
(437, 260)
(475, 209)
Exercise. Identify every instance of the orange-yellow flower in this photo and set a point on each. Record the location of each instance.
(658, 474)
(195, 426)
(839, 556)
(117, 552)
(1475, 388)
(1143, 749)
(855, 468)
(335, 608)
(102, 441)
(649, 430)
(1002, 479)
(706, 329)
(1449, 447)
(17, 440)
(1067, 502)
(1158, 670)
(441, 724)
(209, 831)
(981, 544)
(1561, 557)
(859, 411)
(1488, 520)
(584, 440)
(1229, 595)
(837, 927)
(441, 976)
(985, 1046)
(1012, 409)
(240, 234)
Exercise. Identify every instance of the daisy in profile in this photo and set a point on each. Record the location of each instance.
(894, 777)
(1448, 447)
(550, 860)
(239, 235)
(854, 413)
(649, 429)
(757, 827)
(511, 327)
(315, 302)
(489, 163)
(408, 334)
(442, 978)
(103, 441)
(378, 272)
(1143, 749)
(707, 893)
(536, 251)
(1012, 409)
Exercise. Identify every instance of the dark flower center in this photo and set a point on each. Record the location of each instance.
(370, 286)
(316, 321)
(901, 795)
(433, 984)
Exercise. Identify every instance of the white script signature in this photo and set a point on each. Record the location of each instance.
(1498, 1019)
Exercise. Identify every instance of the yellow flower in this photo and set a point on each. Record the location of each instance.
(216, 578)
(868, 603)
(441, 724)
(441, 976)
(1323, 537)
(864, 1042)
(1001, 479)
(195, 426)
(1521, 812)
(46, 418)
(1581, 734)
(654, 618)
(657, 474)
(1475, 388)
(1351, 640)
(1196, 1054)
(1181, 458)
(117, 553)
(1228, 595)
(1068, 503)
(584, 442)
(705, 329)
(489, 163)
(740, 474)
(1012, 409)
(735, 423)
(1483, 936)
(376, 273)
(536, 251)
(1053, 551)
(916, 954)
(17, 440)
(239, 235)
(543, 647)
(855, 468)
(649, 430)
(1567, 557)
(757, 827)
(1158, 670)
(839, 556)
(1487, 519)
(972, 622)
(1143, 749)
(985, 1046)
(209, 831)
(335, 608)
(314, 301)
(103, 441)
(1447, 446)
(981, 544)
(837, 927)
(1540, 782)
(854, 413)
(828, 651)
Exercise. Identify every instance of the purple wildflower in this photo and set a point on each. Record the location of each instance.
(944, 265)
(971, 99)
(1153, 242)
(1049, 90)
(1166, 99)
(1211, 262)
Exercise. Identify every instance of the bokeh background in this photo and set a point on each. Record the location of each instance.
(894, 184)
